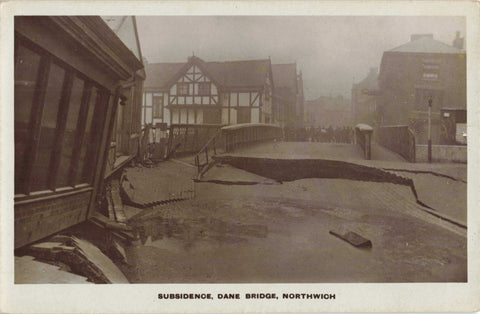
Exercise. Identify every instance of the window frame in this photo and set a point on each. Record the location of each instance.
(157, 107)
(202, 89)
(64, 107)
(181, 86)
(430, 70)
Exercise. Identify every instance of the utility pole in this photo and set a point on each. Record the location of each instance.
(430, 129)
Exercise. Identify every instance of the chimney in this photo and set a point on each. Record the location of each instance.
(458, 41)
(414, 37)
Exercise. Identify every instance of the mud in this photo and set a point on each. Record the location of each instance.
(195, 229)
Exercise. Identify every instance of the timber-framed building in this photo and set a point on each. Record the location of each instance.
(199, 92)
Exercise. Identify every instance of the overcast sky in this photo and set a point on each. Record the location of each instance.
(332, 52)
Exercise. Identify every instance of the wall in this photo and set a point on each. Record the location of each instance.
(404, 88)
(442, 153)
(37, 219)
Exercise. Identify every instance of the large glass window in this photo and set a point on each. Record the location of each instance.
(87, 140)
(48, 127)
(59, 119)
(66, 154)
(27, 64)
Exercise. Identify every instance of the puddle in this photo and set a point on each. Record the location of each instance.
(190, 230)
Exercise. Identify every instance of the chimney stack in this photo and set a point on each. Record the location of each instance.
(419, 36)
(458, 41)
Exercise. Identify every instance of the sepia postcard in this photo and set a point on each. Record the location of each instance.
(239, 156)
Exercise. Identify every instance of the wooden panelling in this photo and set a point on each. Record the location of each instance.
(36, 220)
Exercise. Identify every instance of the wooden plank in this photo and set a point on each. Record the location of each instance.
(353, 238)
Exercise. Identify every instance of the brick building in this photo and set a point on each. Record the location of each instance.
(328, 111)
(365, 97)
(288, 99)
(421, 69)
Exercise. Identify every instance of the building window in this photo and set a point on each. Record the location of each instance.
(243, 115)
(158, 107)
(204, 89)
(183, 89)
(431, 69)
(59, 119)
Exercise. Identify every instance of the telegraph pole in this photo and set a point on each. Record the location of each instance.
(430, 129)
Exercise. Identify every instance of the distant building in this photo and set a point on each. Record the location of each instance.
(413, 73)
(328, 111)
(71, 75)
(199, 92)
(365, 99)
(288, 95)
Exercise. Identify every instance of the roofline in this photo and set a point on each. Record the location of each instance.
(194, 60)
(137, 39)
(295, 64)
(246, 60)
(101, 40)
(436, 53)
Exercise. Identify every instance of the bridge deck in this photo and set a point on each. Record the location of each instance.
(439, 186)
(312, 150)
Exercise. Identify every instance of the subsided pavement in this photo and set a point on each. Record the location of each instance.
(242, 227)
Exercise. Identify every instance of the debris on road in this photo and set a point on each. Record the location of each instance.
(353, 238)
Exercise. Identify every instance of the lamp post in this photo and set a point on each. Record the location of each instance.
(430, 129)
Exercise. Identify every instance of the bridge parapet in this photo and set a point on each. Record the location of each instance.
(363, 137)
(399, 139)
(240, 134)
(230, 137)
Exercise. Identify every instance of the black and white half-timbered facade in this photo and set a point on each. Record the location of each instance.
(199, 92)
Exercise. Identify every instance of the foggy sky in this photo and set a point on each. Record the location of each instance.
(332, 52)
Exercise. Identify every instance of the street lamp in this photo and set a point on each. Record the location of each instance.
(430, 129)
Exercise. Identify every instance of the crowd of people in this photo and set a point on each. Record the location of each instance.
(320, 134)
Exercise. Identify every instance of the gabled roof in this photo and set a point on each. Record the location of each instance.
(229, 74)
(285, 75)
(239, 73)
(426, 44)
(160, 74)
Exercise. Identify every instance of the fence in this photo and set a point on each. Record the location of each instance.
(190, 138)
(398, 138)
(363, 137)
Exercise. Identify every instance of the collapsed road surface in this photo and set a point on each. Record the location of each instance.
(246, 227)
